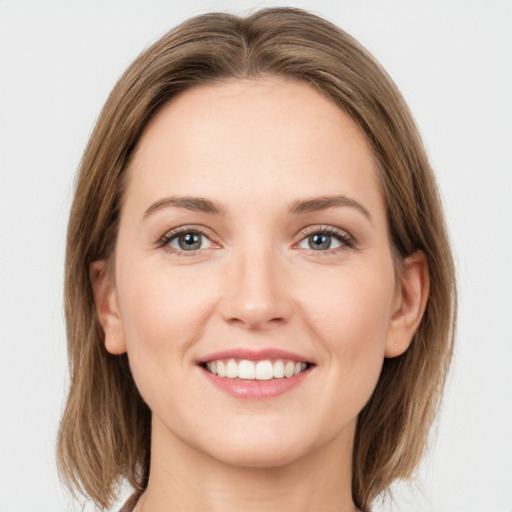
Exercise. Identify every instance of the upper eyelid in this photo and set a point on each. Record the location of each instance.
(323, 227)
(203, 229)
(189, 228)
(332, 230)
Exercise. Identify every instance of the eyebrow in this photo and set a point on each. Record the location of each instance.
(200, 204)
(321, 203)
(196, 204)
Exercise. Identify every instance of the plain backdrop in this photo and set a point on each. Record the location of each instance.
(453, 62)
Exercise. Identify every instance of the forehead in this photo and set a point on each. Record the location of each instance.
(256, 136)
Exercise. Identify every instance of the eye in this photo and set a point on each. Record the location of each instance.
(325, 239)
(320, 242)
(185, 241)
(190, 241)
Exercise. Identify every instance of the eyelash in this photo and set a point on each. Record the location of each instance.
(347, 241)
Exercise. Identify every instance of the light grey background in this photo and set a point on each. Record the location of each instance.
(453, 62)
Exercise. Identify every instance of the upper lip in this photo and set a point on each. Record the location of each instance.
(253, 355)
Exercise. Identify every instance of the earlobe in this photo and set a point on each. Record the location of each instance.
(105, 298)
(410, 303)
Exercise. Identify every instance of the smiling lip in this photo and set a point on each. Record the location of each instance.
(253, 355)
(254, 389)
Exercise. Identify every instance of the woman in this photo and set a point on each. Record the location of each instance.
(260, 294)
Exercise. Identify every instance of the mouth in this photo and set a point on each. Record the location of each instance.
(247, 369)
(255, 374)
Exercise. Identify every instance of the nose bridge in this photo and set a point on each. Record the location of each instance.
(255, 297)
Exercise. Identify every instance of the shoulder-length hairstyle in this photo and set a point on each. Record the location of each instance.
(104, 435)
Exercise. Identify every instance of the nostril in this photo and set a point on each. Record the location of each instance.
(255, 320)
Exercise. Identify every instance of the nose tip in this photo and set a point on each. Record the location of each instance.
(255, 298)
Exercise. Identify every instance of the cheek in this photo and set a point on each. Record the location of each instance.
(349, 315)
(350, 299)
(163, 314)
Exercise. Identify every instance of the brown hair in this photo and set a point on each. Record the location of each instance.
(104, 435)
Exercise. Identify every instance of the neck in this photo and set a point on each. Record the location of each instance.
(183, 478)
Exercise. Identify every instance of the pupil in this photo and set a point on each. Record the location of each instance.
(320, 241)
(190, 241)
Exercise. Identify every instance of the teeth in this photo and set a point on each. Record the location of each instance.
(246, 370)
(221, 369)
(231, 369)
(264, 370)
(250, 370)
(288, 369)
(279, 369)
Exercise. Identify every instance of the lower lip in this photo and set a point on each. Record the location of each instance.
(256, 389)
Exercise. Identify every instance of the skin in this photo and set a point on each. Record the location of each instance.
(254, 148)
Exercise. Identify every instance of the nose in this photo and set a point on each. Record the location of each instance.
(256, 296)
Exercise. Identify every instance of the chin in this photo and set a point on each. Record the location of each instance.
(262, 447)
(258, 457)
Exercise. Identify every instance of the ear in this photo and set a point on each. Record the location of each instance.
(409, 304)
(105, 298)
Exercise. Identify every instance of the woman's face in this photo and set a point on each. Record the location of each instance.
(253, 241)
